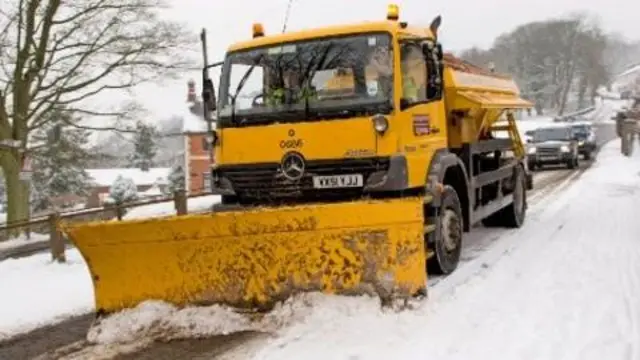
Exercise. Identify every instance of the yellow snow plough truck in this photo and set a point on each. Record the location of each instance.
(348, 160)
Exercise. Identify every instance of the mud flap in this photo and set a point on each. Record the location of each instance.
(252, 259)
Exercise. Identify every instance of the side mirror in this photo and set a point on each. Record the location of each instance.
(432, 52)
(439, 51)
(208, 94)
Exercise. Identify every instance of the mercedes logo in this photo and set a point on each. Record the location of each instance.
(292, 166)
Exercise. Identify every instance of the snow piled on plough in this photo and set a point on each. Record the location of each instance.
(160, 321)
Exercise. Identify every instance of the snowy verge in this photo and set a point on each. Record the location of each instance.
(38, 292)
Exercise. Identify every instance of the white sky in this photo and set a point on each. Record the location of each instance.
(465, 23)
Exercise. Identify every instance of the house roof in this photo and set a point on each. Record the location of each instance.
(106, 177)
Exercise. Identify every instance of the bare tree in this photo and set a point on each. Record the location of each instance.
(63, 53)
(551, 60)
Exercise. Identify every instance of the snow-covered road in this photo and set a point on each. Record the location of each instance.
(566, 286)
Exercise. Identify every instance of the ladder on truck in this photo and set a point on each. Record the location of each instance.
(512, 129)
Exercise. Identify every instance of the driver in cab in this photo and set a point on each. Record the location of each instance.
(286, 89)
(380, 68)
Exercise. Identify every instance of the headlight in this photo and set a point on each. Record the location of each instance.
(532, 150)
(564, 148)
(380, 123)
(580, 143)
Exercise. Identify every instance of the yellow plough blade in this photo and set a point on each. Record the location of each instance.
(253, 258)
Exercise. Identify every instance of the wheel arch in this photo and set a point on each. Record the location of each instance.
(446, 168)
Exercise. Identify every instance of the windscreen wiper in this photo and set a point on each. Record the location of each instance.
(310, 72)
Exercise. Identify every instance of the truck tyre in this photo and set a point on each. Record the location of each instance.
(587, 155)
(447, 238)
(513, 215)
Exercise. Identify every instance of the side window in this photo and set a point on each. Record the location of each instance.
(414, 73)
(253, 86)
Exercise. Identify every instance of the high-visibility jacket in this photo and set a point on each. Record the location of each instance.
(409, 88)
(275, 97)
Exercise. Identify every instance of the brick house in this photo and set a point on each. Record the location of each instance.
(197, 149)
(146, 182)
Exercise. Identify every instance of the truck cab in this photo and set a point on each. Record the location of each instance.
(334, 113)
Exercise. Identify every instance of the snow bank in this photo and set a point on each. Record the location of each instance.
(194, 205)
(156, 320)
(36, 292)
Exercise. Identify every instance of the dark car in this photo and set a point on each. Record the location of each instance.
(586, 136)
(553, 145)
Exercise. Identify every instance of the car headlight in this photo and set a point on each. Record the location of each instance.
(564, 148)
(532, 150)
(580, 143)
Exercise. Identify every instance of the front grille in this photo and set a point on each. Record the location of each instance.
(262, 181)
(548, 151)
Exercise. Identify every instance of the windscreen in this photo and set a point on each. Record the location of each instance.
(552, 134)
(307, 80)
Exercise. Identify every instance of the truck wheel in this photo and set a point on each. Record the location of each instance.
(587, 155)
(513, 215)
(447, 243)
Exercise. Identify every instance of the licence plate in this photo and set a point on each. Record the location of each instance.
(337, 181)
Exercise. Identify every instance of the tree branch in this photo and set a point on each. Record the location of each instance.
(68, 53)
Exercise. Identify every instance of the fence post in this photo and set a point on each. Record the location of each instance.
(180, 202)
(56, 240)
(119, 211)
